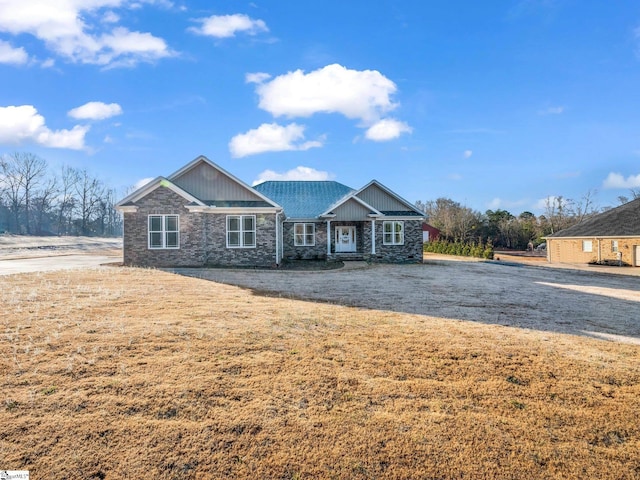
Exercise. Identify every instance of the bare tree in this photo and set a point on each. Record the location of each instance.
(89, 191)
(455, 221)
(69, 177)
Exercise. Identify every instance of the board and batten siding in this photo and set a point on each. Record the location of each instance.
(378, 198)
(351, 210)
(207, 183)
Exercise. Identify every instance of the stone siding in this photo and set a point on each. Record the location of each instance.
(410, 251)
(262, 255)
(316, 252)
(202, 237)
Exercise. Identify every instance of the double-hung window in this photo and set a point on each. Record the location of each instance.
(164, 231)
(587, 246)
(614, 245)
(393, 233)
(241, 231)
(304, 234)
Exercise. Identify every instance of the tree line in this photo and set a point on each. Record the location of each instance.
(499, 228)
(36, 201)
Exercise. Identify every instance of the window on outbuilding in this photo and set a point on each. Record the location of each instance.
(241, 231)
(164, 231)
(304, 234)
(587, 246)
(393, 233)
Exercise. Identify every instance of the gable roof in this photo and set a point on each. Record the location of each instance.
(214, 185)
(250, 198)
(622, 221)
(389, 208)
(351, 197)
(304, 199)
(157, 182)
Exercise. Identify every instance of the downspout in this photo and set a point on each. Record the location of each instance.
(373, 237)
(277, 238)
(328, 238)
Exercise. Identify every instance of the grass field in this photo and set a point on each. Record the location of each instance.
(130, 373)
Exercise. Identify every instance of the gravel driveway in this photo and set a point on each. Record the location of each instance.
(558, 300)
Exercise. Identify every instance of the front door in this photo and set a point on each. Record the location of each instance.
(345, 239)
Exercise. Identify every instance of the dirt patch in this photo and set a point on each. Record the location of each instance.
(508, 294)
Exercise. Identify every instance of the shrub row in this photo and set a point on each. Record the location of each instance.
(457, 248)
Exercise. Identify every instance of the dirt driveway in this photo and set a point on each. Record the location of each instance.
(558, 300)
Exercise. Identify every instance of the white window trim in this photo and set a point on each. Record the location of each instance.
(304, 235)
(164, 232)
(588, 243)
(393, 232)
(241, 232)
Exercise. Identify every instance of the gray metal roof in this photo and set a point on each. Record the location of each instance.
(304, 199)
(620, 221)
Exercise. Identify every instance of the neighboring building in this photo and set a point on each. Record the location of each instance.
(429, 233)
(608, 237)
(202, 215)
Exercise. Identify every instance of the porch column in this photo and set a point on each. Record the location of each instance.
(328, 238)
(373, 237)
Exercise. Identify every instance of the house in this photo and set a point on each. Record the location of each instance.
(609, 237)
(429, 233)
(202, 215)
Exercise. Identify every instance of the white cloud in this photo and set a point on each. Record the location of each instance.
(271, 137)
(65, 28)
(551, 111)
(387, 129)
(95, 111)
(544, 202)
(226, 26)
(257, 77)
(141, 183)
(298, 173)
(23, 124)
(110, 17)
(9, 54)
(467, 153)
(48, 63)
(364, 95)
(616, 180)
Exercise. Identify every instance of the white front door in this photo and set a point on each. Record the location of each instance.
(345, 239)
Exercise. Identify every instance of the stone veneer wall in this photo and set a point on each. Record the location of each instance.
(411, 251)
(316, 252)
(163, 201)
(262, 255)
(202, 237)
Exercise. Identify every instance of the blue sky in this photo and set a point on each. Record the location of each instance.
(493, 104)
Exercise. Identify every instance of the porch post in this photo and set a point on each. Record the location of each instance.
(328, 238)
(373, 237)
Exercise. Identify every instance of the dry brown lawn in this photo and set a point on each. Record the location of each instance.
(129, 373)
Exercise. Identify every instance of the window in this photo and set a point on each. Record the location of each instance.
(163, 231)
(587, 246)
(241, 231)
(614, 245)
(304, 234)
(393, 233)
